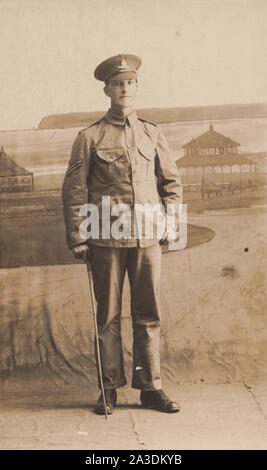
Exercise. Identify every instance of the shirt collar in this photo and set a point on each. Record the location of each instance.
(120, 120)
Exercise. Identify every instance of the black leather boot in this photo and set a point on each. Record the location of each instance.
(158, 400)
(111, 398)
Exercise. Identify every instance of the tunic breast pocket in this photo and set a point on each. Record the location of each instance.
(146, 161)
(110, 164)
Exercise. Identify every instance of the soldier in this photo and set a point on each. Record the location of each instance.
(125, 160)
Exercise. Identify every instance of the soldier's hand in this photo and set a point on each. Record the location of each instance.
(82, 252)
(169, 236)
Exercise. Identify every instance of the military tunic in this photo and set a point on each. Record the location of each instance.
(127, 160)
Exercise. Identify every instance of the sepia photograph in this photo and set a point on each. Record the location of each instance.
(133, 226)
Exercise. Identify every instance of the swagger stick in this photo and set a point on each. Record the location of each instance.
(92, 295)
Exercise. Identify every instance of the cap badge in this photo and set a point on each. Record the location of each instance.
(124, 65)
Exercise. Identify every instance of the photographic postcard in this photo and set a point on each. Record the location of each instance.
(202, 83)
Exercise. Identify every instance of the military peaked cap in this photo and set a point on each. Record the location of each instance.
(121, 66)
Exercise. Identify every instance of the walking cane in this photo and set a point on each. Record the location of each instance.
(98, 358)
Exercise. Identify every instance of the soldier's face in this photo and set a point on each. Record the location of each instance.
(122, 92)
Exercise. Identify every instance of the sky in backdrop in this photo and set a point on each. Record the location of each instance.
(194, 53)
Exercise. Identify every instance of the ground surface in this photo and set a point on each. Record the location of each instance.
(222, 416)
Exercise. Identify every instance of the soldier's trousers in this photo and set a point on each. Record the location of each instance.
(143, 265)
